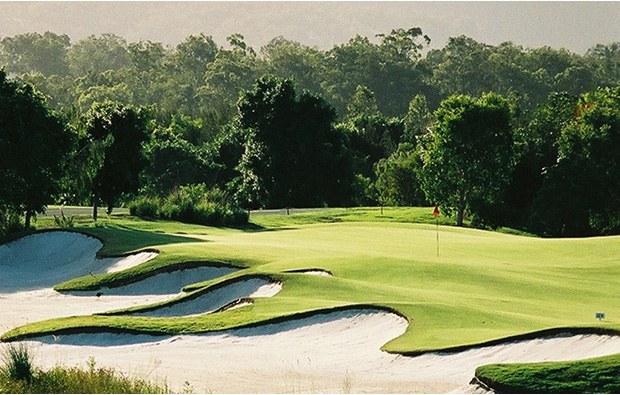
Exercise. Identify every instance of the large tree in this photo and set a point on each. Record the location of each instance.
(33, 145)
(115, 135)
(580, 194)
(293, 154)
(469, 155)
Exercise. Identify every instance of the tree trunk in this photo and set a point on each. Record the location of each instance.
(27, 220)
(459, 216)
(95, 206)
(461, 209)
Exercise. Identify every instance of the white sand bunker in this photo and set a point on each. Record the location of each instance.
(313, 272)
(335, 352)
(43, 260)
(217, 298)
(166, 283)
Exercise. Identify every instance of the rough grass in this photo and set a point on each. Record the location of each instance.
(19, 375)
(598, 375)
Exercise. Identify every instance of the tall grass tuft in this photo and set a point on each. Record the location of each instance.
(63, 221)
(19, 377)
(18, 362)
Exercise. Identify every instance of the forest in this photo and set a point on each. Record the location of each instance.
(497, 136)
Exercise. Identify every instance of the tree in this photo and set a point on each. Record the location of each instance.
(470, 154)
(33, 145)
(417, 119)
(232, 71)
(33, 52)
(371, 138)
(173, 162)
(116, 134)
(293, 155)
(98, 54)
(605, 59)
(405, 44)
(193, 55)
(292, 60)
(398, 178)
(390, 70)
(536, 146)
(580, 194)
(363, 102)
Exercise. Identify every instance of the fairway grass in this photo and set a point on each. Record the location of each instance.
(484, 286)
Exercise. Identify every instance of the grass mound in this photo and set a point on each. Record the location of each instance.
(20, 376)
(597, 375)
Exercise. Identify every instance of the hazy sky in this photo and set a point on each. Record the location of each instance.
(573, 25)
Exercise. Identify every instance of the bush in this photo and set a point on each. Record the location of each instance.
(18, 364)
(192, 204)
(145, 207)
(63, 221)
(10, 222)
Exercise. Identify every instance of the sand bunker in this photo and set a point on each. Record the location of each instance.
(217, 298)
(43, 260)
(313, 272)
(166, 283)
(31, 266)
(336, 352)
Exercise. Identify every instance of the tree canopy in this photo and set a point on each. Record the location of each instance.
(470, 154)
(33, 145)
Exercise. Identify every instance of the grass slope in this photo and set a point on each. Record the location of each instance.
(484, 285)
(597, 375)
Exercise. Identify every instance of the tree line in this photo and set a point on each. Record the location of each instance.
(502, 135)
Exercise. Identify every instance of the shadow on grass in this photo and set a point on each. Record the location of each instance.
(118, 239)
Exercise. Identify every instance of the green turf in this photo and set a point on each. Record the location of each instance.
(598, 375)
(483, 286)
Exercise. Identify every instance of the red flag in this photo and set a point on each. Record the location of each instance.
(436, 211)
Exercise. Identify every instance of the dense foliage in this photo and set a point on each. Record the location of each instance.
(33, 146)
(193, 204)
(469, 154)
(502, 135)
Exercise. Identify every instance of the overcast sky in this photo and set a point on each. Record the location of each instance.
(576, 26)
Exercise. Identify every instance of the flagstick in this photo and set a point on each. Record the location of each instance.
(437, 236)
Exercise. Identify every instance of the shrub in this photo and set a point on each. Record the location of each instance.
(192, 204)
(18, 364)
(10, 222)
(145, 207)
(63, 221)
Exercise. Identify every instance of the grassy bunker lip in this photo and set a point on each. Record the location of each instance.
(192, 295)
(571, 331)
(87, 329)
(111, 281)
